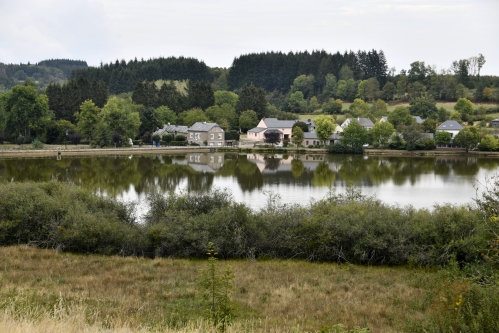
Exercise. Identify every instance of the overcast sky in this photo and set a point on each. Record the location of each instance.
(216, 31)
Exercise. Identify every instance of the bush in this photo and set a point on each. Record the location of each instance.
(156, 138)
(37, 144)
(178, 143)
(180, 137)
(167, 138)
(232, 135)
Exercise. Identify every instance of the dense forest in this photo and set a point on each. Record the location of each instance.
(43, 73)
(122, 76)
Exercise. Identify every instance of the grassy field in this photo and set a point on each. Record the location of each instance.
(49, 291)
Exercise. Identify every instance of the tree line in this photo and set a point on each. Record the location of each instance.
(122, 76)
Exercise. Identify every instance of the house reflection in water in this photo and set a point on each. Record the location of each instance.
(204, 163)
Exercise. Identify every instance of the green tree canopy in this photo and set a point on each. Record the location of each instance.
(354, 136)
(297, 135)
(412, 134)
(252, 98)
(88, 118)
(442, 138)
(423, 107)
(223, 115)
(297, 103)
(400, 116)
(465, 107)
(381, 133)
(324, 127)
(192, 116)
(122, 117)
(27, 112)
(248, 120)
(332, 106)
(200, 95)
(305, 84)
(467, 138)
(226, 97)
(358, 108)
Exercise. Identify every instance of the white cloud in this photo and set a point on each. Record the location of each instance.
(216, 31)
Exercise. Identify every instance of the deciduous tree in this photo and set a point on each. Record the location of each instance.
(324, 127)
(297, 136)
(381, 133)
(467, 138)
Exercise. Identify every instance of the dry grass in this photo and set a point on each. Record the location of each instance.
(49, 291)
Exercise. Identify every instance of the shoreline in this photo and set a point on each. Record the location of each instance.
(241, 149)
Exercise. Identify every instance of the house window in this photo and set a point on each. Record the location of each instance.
(219, 136)
(212, 136)
(197, 136)
(191, 135)
(307, 143)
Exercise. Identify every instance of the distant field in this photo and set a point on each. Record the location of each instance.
(449, 106)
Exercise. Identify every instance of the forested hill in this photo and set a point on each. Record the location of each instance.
(43, 73)
(122, 76)
(277, 70)
(66, 65)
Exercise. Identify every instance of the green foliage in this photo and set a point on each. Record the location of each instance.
(193, 116)
(180, 137)
(226, 97)
(381, 133)
(442, 138)
(27, 112)
(467, 138)
(167, 138)
(464, 107)
(122, 117)
(358, 108)
(37, 144)
(297, 135)
(248, 120)
(354, 136)
(412, 134)
(400, 116)
(333, 106)
(303, 83)
(324, 127)
(423, 107)
(199, 95)
(252, 98)
(216, 288)
(224, 115)
(64, 216)
(488, 143)
(88, 118)
(297, 103)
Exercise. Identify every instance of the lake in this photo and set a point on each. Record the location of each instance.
(418, 181)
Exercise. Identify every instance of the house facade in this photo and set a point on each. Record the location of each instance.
(310, 139)
(212, 133)
(452, 127)
(284, 126)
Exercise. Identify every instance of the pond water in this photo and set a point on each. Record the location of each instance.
(418, 181)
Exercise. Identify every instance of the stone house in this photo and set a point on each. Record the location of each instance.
(212, 133)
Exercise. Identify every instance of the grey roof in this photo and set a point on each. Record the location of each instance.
(171, 129)
(495, 120)
(364, 122)
(418, 119)
(450, 125)
(276, 123)
(257, 129)
(202, 127)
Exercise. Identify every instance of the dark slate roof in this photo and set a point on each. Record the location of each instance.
(450, 125)
(171, 129)
(276, 123)
(257, 129)
(202, 127)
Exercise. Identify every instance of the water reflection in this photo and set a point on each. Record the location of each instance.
(295, 177)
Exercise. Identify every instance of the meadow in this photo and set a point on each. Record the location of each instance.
(50, 291)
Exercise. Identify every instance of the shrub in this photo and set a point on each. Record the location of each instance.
(37, 144)
(156, 138)
(180, 137)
